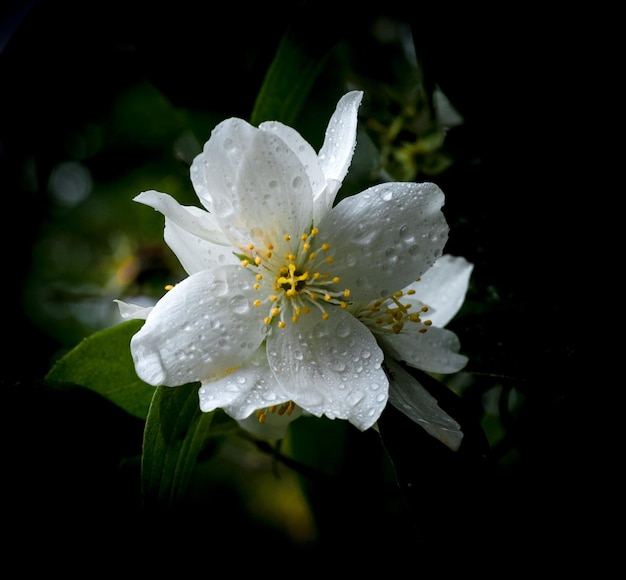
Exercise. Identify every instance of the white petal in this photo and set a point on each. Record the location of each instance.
(133, 311)
(337, 150)
(330, 367)
(259, 189)
(194, 253)
(435, 351)
(410, 397)
(385, 237)
(305, 153)
(192, 219)
(201, 327)
(191, 233)
(243, 390)
(443, 287)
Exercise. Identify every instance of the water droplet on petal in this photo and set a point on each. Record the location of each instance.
(219, 287)
(342, 330)
(386, 195)
(354, 398)
(239, 304)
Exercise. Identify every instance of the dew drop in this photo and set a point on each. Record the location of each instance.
(338, 366)
(219, 287)
(296, 182)
(229, 144)
(273, 184)
(239, 304)
(355, 398)
(406, 234)
(342, 330)
(386, 195)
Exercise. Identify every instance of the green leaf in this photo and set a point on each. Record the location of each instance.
(298, 62)
(176, 432)
(102, 363)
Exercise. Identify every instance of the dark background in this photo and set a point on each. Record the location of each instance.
(523, 82)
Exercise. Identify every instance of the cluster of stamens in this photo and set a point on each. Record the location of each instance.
(299, 281)
(392, 314)
(284, 409)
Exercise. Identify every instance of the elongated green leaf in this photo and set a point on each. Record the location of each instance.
(176, 432)
(298, 61)
(102, 363)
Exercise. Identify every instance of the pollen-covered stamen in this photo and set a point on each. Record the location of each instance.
(391, 314)
(282, 409)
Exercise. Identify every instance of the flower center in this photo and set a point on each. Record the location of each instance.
(295, 274)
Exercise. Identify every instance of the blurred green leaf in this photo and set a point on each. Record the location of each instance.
(102, 363)
(175, 434)
(289, 79)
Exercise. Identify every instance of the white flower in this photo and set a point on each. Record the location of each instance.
(272, 319)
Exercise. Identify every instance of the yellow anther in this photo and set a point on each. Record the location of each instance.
(260, 414)
(306, 309)
(290, 258)
(330, 259)
(273, 298)
(257, 303)
(346, 292)
(259, 276)
(268, 254)
(245, 263)
(325, 315)
(303, 237)
(343, 304)
(314, 232)
(275, 311)
(256, 286)
(336, 280)
(294, 319)
(327, 297)
(306, 247)
(257, 260)
(168, 287)
(325, 247)
(414, 317)
(287, 237)
(282, 324)
(272, 408)
(270, 247)
(312, 256)
(422, 330)
(428, 322)
(424, 308)
(267, 320)
(250, 246)
(410, 292)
